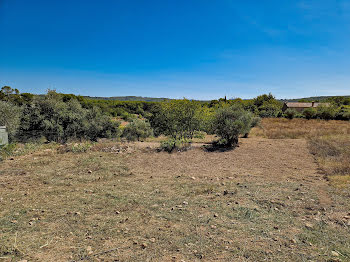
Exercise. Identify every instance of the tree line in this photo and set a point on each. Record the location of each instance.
(60, 117)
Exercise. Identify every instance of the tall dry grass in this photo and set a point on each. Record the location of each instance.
(280, 128)
(329, 142)
(333, 155)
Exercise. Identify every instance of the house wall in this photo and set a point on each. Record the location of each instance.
(298, 109)
(3, 136)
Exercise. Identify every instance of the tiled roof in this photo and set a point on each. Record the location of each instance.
(299, 104)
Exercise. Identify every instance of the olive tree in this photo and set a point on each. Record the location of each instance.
(138, 129)
(231, 122)
(177, 118)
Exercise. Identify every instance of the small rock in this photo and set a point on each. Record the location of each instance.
(309, 225)
(77, 213)
(117, 212)
(275, 227)
(143, 245)
(335, 254)
(216, 215)
(213, 226)
(89, 250)
(90, 171)
(293, 241)
(193, 178)
(185, 203)
(152, 240)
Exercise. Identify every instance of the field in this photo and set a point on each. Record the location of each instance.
(284, 199)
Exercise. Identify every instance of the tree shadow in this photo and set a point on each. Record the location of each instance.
(214, 147)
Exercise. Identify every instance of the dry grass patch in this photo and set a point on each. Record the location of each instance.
(333, 154)
(279, 128)
(255, 203)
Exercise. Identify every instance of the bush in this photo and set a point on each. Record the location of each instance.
(59, 121)
(326, 112)
(137, 129)
(290, 113)
(343, 113)
(173, 144)
(230, 122)
(255, 121)
(10, 116)
(177, 118)
(309, 113)
(269, 110)
(199, 134)
(7, 150)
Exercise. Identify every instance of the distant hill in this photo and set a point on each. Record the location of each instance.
(160, 99)
(310, 99)
(129, 98)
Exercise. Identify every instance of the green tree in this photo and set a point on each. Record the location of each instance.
(326, 112)
(309, 113)
(138, 129)
(177, 118)
(290, 113)
(58, 121)
(230, 122)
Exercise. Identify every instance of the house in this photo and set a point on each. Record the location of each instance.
(300, 106)
(3, 136)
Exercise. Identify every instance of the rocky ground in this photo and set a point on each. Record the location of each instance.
(266, 200)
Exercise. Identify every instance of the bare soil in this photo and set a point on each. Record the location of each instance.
(266, 200)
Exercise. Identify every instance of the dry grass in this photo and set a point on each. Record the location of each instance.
(333, 154)
(264, 201)
(279, 128)
(329, 141)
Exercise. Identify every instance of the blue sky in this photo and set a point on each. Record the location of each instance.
(199, 49)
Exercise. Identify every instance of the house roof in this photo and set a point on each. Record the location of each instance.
(299, 104)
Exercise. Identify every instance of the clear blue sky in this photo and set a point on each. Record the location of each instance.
(200, 49)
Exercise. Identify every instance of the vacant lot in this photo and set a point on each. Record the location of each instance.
(267, 200)
(277, 128)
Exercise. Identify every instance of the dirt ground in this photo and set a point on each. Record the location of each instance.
(266, 200)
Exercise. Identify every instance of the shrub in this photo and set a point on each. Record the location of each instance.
(10, 116)
(80, 147)
(290, 113)
(173, 144)
(177, 118)
(269, 110)
(309, 113)
(7, 150)
(255, 121)
(326, 112)
(59, 121)
(199, 134)
(230, 122)
(137, 129)
(343, 113)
